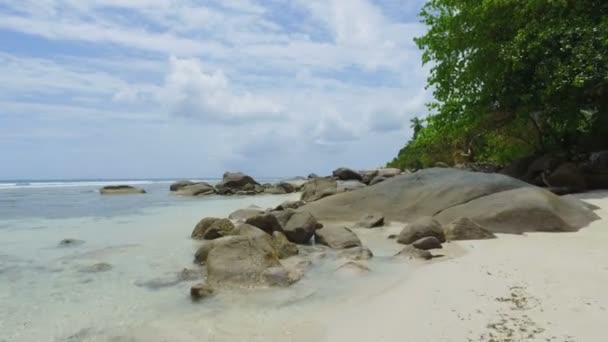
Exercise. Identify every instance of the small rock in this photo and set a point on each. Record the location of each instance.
(466, 229)
(201, 291)
(371, 221)
(412, 252)
(357, 253)
(423, 227)
(180, 184)
(426, 243)
(196, 189)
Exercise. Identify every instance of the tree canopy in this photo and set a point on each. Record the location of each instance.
(512, 77)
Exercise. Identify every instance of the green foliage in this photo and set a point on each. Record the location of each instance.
(512, 77)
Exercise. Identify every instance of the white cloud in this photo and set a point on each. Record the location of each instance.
(192, 92)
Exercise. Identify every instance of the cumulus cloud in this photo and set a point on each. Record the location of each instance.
(192, 92)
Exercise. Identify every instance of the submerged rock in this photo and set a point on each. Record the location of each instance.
(356, 253)
(201, 291)
(421, 228)
(120, 190)
(211, 228)
(280, 276)
(70, 242)
(353, 268)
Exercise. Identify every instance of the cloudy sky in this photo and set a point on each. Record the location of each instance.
(191, 88)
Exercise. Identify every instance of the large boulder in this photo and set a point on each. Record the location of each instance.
(421, 228)
(466, 229)
(290, 205)
(235, 181)
(318, 188)
(266, 222)
(337, 237)
(241, 261)
(211, 228)
(368, 175)
(518, 167)
(349, 186)
(296, 183)
(120, 190)
(300, 227)
(541, 165)
(280, 188)
(244, 214)
(567, 178)
(283, 246)
(345, 174)
(196, 189)
(521, 210)
(180, 184)
(449, 194)
(371, 221)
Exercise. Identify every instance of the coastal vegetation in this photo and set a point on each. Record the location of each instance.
(510, 79)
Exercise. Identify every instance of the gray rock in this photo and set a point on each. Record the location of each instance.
(300, 227)
(244, 214)
(337, 237)
(120, 190)
(283, 216)
(466, 229)
(344, 173)
(290, 205)
(280, 276)
(566, 179)
(411, 252)
(421, 228)
(426, 243)
(371, 221)
(196, 189)
(201, 291)
(368, 175)
(211, 228)
(236, 181)
(356, 253)
(283, 246)
(377, 179)
(245, 229)
(352, 185)
(180, 184)
(318, 188)
(70, 242)
(266, 222)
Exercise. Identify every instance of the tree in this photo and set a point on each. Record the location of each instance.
(532, 73)
(416, 126)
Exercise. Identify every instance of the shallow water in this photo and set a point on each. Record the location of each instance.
(121, 283)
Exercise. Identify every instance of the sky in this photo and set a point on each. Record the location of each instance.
(193, 88)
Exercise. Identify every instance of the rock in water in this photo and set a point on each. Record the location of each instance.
(201, 291)
(371, 221)
(266, 222)
(236, 181)
(120, 190)
(426, 243)
(300, 227)
(280, 276)
(337, 237)
(284, 247)
(357, 253)
(70, 242)
(241, 261)
(211, 228)
(196, 189)
(450, 194)
(345, 174)
(421, 228)
(180, 184)
(318, 188)
(412, 252)
(353, 268)
(466, 229)
(96, 268)
(244, 214)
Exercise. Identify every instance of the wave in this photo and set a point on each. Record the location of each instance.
(70, 184)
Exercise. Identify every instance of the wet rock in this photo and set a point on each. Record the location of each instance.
(300, 227)
(211, 228)
(96, 268)
(283, 246)
(422, 227)
(337, 237)
(411, 252)
(426, 243)
(266, 222)
(345, 174)
(120, 190)
(356, 253)
(281, 276)
(371, 221)
(70, 242)
(466, 229)
(180, 184)
(353, 268)
(201, 291)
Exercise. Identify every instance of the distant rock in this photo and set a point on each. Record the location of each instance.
(466, 229)
(196, 189)
(120, 190)
(441, 165)
(296, 183)
(312, 176)
(236, 181)
(337, 237)
(389, 172)
(180, 184)
(201, 291)
(426, 243)
(280, 188)
(421, 228)
(211, 228)
(345, 174)
(70, 242)
(318, 188)
(371, 221)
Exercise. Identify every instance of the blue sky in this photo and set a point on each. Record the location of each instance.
(187, 88)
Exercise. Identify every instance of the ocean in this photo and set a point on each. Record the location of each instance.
(120, 282)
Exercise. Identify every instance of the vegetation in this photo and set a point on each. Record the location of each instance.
(511, 78)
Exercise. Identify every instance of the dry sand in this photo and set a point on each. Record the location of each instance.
(532, 287)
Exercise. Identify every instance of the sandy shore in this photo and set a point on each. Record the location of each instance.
(534, 287)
